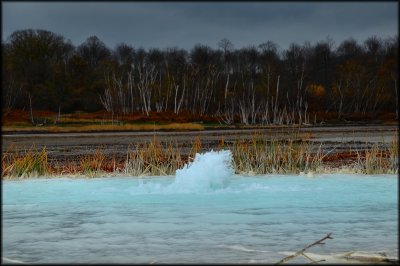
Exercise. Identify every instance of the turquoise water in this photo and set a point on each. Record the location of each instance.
(163, 219)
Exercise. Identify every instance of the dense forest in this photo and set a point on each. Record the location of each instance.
(259, 84)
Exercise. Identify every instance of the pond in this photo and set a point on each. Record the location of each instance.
(204, 214)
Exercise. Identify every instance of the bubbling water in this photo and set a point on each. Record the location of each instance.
(209, 171)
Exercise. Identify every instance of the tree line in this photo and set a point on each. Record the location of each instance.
(260, 84)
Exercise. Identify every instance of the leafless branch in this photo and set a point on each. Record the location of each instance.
(301, 252)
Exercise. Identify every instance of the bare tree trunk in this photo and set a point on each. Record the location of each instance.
(58, 115)
(131, 80)
(374, 110)
(244, 112)
(159, 100)
(30, 108)
(341, 96)
(10, 94)
(265, 115)
(121, 106)
(175, 99)
(147, 78)
(182, 95)
(228, 114)
(306, 118)
(226, 88)
(396, 92)
(300, 95)
(253, 109)
(275, 108)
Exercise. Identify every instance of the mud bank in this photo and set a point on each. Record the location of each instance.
(67, 146)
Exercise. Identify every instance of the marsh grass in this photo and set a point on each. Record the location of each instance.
(261, 156)
(93, 164)
(258, 155)
(66, 167)
(153, 158)
(30, 163)
(393, 150)
(378, 160)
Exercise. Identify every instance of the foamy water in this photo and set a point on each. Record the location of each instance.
(211, 170)
(205, 214)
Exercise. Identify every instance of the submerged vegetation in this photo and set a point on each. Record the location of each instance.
(255, 156)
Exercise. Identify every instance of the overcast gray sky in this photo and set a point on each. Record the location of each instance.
(184, 24)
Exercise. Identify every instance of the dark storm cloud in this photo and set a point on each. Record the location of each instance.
(184, 24)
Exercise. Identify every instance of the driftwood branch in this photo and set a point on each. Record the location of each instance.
(312, 260)
(301, 252)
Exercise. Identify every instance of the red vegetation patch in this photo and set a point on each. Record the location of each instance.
(182, 117)
(332, 117)
(14, 116)
(17, 115)
(344, 156)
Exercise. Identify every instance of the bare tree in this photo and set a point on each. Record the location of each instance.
(396, 93)
(146, 81)
(10, 93)
(226, 46)
(227, 115)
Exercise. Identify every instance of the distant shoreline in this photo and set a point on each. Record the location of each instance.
(338, 149)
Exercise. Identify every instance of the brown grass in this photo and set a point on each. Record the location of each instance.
(376, 160)
(260, 156)
(153, 158)
(255, 156)
(30, 163)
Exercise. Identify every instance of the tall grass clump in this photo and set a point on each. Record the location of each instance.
(393, 150)
(197, 146)
(93, 164)
(153, 158)
(31, 163)
(257, 155)
(260, 156)
(378, 160)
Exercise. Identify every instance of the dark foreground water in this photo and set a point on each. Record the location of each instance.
(239, 220)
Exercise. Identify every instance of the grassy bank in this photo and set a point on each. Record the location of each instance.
(52, 122)
(255, 156)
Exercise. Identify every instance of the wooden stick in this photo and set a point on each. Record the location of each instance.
(312, 261)
(301, 252)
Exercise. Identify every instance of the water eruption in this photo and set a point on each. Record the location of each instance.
(210, 170)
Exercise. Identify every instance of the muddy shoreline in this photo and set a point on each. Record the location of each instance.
(70, 146)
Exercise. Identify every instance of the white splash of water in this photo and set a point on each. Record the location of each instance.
(210, 170)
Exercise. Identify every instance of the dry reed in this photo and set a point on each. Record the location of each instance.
(258, 155)
(153, 159)
(261, 156)
(378, 160)
(31, 163)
